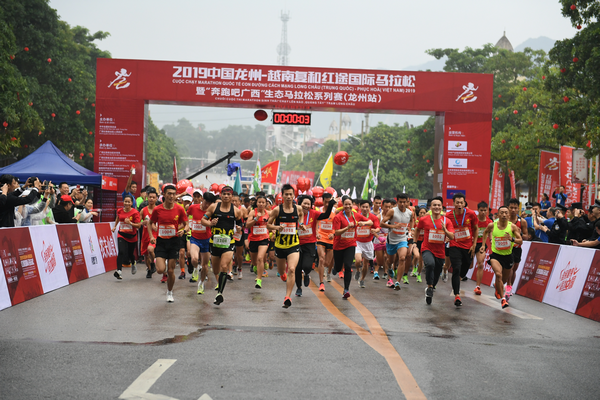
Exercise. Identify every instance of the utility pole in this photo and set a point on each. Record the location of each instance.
(366, 124)
(340, 134)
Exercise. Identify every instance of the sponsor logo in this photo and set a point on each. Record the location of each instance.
(468, 96)
(457, 145)
(48, 258)
(120, 82)
(94, 260)
(457, 163)
(451, 192)
(91, 243)
(107, 247)
(567, 278)
(553, 164)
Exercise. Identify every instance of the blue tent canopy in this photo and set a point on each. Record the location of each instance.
(50, 164)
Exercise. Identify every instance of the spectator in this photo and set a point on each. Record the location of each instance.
(539, 222)
(35, 212)
(62, 212)
(88, 213)
(13, 198)
(558, 232)
(79, 197)
(593, 241)
(131, 186)
(143, 197)
(578, 228)
(561, 196)
(531, 236)
(3, 194)
(545, 204)
(63, 188)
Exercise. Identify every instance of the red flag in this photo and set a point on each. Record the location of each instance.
(497, 196)
(175, 171)
(548, 175)
(269, 172)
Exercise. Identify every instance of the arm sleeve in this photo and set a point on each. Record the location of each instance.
(327, 212)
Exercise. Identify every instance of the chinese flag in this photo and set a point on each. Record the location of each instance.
(269, 172)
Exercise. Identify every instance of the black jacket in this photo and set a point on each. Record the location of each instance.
(7, 210)
(62, 216)
(558, 232)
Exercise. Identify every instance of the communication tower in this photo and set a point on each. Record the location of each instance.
(283, 49)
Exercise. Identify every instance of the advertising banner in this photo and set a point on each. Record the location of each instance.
(589, 301)
(70, 243)
(50, 263)
(548, 175)
(291, 177)
(566, 171)
(568, 277)
(580, 166)
(536, 270)
(4, 296)
(19, 265)
(91, 249)
(524, 252)
(108, 246)
(497, 195)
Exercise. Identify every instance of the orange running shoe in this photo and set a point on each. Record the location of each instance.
(322, 287)
(498, 295)
(504, 303)
(284, 277)
(477, 290)
(287, 302)
(457, 301)
(341, 274)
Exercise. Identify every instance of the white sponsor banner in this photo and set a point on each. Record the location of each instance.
(4, 295)
(580, 166)
(525, 246)
(568, 277)
(457, 145)
(48, 255)
(457, 163)
(91, 249)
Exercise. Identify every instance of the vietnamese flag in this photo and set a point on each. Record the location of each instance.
(269, 172)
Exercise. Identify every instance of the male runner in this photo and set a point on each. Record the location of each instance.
(482, 222)
(517, 251)
(400, 221)
(364, 243)
(239, 237)
(462, 248)
(172, 225)
(325, 243)
(416, 250)
(436, 228)
(200, 240)
(504, 235)
(286, 219)
(147, 248)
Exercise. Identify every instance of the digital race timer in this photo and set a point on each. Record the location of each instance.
(288, 118)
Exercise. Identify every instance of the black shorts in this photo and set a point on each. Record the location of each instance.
(410, 241)
(183, 242)
(271, 245)
(505, 260)
(478, 247)
(167, 248)
(239, 243)
(419, 243)
(284, 253)
(447, 251)
(254, 245)
(328, 246)
(219, 251)
(517, 252)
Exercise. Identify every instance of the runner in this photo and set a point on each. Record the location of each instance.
(345, 224)
(482, 222)
(186, 201)
(128, 221)
(172, 225)
(436, 228)
(325, 243)
(504, 234)
(240, 237)
(380, 240)
(258, 237)
(417, 260)
(147, 249)
(308, 240)
(462, 247)
(400, 221)
(200, 240)
(364, 243)
(224, 219)
(286, 219)
(517, 251)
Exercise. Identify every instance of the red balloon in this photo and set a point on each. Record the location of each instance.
(279, 199)
(182, 185)
(319, 202)
(260, 115)
(303, 184)
(295, 189)
(575, 59)
(578, 26)
(515, 112)
(317, 191)
(69, 79)
(246, 154)
(77, 112)
(524, 89)
(330, 190)
(555, 126)
(49, 60)
(221, 186)
(341, 158)
(5, 124)
(53, 115)
(26, 49)
(573, 7)
(215, 188)
(535, 106)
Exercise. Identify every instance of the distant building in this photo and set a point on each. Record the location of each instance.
(504, 43)
(288, 138)
(346, 129)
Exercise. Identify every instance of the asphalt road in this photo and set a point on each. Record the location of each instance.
(102, 339)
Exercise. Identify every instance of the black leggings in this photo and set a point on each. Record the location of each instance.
(460, 261)
(126, 253)
(344, 259)
(308, 255)
(433, 267)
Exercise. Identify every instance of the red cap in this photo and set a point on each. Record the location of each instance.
(66, 198)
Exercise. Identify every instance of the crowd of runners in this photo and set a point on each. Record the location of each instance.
(207, 234)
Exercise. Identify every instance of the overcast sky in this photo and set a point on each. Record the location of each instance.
(347, 34)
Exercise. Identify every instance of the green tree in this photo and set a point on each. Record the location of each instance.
(160, 151)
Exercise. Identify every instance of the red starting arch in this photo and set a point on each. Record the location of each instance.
(462, 104)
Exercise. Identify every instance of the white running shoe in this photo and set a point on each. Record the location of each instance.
(133, 268)
(170, 298)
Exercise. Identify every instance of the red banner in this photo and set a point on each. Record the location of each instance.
(291, 177)
(548, 175)
(269, 172)
(513, 186)
(497, 195)
(109, 183)
(566, 171)
(589, 302)
(108, 247)
(536, 270)
(72, 252)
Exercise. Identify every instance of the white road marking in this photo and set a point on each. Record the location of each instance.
(495, 303)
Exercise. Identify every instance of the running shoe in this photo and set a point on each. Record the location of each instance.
(234, 270)
(182, 275)
(254, 269)
(258, 283)
(306, 280)
(278, 275)
(170, 298)
(217, 287)
(346, 294)
(240, 274)
(247, 257)
(457, 301)
(405, 279)
(133, 268)
(284, 277)
(390, 283)
(149, 274)
(190, 267)
(265, 274)
(444, 276)
(230, 276)
(118, 274)
(357, 274)
(164, 279)
(428, 294)
(497, 295)
(218, 298)
(465, 279)
(322, 287)
(287, 302)
(507, 295)
(361, 284)
(414, 271)
(477, 291)
(508, 290)
(390, 272)
(397, 286)
(334, 271)
(201, 288)
(341, 274)
(419, 280)
(504, 303)
(153, 270)
(329, 277)
(195, 275)
(375, 276)
(266, 266)
(299, 292)
(385, 276)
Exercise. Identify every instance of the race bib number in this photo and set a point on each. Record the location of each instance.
(363, 232)
(221, 241)
(462, 234)
(437, 236)
(502, 243)
(198, 227)
(401, 230)
(288, 228)
(480, 234)
(327, 226)
(259, 230)
(307, 232)
(348, 234)
(237, 236)
(126, 228)
(166, 231)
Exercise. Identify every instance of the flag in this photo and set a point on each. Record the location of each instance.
(513, 187)
(256, 182)
(354, 193)
(175, 170)
(237, 186)
(327, 172)
(372, 177)
(365, 192)
(268, 173)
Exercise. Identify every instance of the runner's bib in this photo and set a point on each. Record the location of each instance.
(437, 236)
(462, 234)
(307, 232)
(327, 226)
(402, 230)
(502, 243)
(363, 232)
(480, 234)
(348, 235)
(198, 227)
(259, 230)
(221, 241)
(167, 231)
(126, 228)
(237, 236)
(288, 228)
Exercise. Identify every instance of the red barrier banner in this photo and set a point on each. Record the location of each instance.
(108, 246)
(72, 252)
(50, 262)
(19, 265)
(589, 301)
(91, 249)
(513, 186)
(497, 195)
(566, 172)
(548, 175)
(536, 270)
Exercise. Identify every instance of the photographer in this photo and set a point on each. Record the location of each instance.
(35, 212)
(593, 241)
(578, 229)
(558, 232)
(7, 210)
